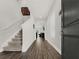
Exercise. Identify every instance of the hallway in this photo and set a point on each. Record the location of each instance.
(39, 50)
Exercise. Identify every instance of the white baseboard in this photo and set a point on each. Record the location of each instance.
(24, 49)
(57, 49)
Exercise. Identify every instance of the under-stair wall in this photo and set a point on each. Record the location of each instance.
(28, 34)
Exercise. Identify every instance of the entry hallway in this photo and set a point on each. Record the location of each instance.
(40, 49)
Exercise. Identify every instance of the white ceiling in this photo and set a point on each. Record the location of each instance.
(39, 8)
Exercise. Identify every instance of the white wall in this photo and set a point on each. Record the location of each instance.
(9, 15)
(53, 32)
(50, 26)
(57, 40)
(28, 34)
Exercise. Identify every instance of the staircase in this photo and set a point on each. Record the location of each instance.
(15, 44)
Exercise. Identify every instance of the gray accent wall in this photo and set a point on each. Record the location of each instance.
(70, 41)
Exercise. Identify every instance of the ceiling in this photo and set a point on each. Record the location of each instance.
(39, 8)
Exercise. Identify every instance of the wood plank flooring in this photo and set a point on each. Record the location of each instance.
(39, 50)
(11, 55)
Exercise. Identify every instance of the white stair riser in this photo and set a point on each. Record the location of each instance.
(18, 36)
(14, 43)
(16, 40)
(7, 49)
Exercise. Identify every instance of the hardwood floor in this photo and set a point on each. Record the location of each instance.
(39, 50)
(11, 55)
